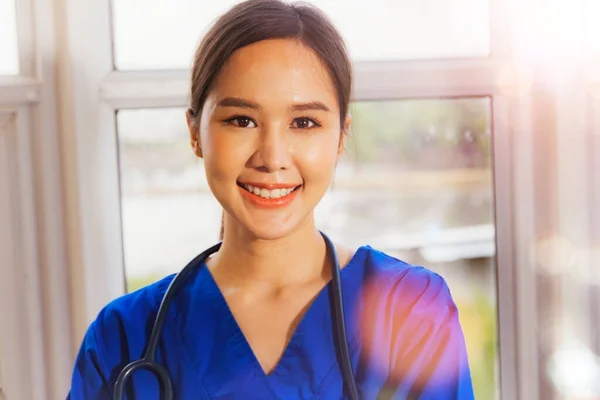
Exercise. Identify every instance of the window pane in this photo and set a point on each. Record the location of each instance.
(415, 182)
(9, 57)
(592, 28)
(374, 30)
(166, 203)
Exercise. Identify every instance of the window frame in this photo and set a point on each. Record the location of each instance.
(37, 273)
(22, 340)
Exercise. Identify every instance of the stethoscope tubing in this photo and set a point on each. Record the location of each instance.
(148, 360)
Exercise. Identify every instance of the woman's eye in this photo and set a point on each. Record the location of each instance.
(242, 122)
(304, 123)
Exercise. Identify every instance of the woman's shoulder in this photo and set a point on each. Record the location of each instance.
(117, 335)
(409, 323)
(130, 312)
(401, 282)
(387, 266)
(146, 298)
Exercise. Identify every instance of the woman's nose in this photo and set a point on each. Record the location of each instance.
(273, 152)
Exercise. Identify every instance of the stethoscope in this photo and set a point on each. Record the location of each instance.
(148, 361)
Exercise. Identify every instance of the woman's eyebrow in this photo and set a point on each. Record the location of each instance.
(310, 106)
(238, 102)
(243, 103)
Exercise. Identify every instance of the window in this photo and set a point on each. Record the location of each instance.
(161, 34)
(415, 182)
(9, 61)
(166, 203)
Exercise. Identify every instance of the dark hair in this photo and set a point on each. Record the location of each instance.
(256, 20)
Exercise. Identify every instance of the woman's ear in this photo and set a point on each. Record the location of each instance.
(344, 135)
(193, 124)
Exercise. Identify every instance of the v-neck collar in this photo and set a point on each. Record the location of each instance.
(224, 359)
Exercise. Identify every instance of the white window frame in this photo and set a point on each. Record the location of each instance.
(68, 93)
(21, 340)
(37, 345)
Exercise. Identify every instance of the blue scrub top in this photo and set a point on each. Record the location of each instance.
(404, 334)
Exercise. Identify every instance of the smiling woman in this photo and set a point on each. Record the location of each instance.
(292, 137)
(270, 95)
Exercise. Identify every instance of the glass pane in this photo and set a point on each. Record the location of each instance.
(591, 10)
(417, 30)
(9, 57)
(166, 203)
(416, 182)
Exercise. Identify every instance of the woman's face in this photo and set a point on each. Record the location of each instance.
(270, 136)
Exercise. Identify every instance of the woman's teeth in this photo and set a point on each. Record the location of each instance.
(268, 194)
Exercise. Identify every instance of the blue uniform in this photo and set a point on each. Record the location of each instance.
(404, 336)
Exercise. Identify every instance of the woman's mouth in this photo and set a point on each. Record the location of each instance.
(272, 192)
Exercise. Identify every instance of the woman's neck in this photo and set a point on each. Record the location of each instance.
(297, 258)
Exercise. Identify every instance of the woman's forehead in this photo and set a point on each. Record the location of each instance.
(278, 69)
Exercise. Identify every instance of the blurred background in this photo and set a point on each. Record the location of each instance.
(474, 151)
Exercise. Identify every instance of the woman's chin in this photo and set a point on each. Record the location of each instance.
(265, 227)
(269, 231)
(268, 224)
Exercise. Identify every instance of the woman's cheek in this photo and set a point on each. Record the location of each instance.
(320, 158)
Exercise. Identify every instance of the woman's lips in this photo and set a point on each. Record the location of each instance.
(270, 186)
(269, 195)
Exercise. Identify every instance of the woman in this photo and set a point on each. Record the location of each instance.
(270, 90)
